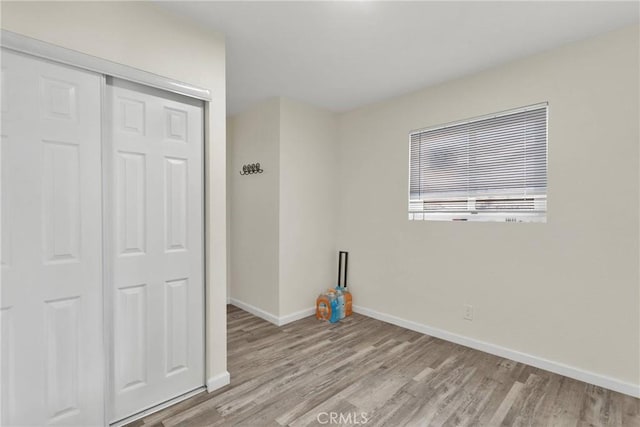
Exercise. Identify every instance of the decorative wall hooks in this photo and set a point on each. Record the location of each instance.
(251, 169)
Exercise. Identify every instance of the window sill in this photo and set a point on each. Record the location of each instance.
(480, 217)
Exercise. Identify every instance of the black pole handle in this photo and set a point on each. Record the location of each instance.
(341, 283)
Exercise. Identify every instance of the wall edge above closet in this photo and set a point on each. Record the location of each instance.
(44, 50)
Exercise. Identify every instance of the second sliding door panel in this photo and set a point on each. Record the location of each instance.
(51, 257)
(155, 243)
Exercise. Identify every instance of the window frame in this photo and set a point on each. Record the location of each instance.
(538, 200)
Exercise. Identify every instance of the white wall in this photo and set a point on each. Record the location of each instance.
(143, 36)
(308, 204)
(283, 221)
(568, 290)
(254, 245)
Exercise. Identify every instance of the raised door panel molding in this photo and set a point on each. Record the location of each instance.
(7, 367)
(5, 221)
(59, 99)
(130, 116)
(177, 326)
(175, 204)
(175, 124)
(131, 201)
(3, 91)
(61, 202)
(62, 325)
(131, 338)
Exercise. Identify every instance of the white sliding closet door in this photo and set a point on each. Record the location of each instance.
(156, 246)
(51, 301)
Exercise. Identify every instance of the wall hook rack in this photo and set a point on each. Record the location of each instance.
(251, 169)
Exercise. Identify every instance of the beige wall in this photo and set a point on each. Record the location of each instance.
(568, 290)
(308, 204)
(283, 221)
(140, 35)
(254, 136)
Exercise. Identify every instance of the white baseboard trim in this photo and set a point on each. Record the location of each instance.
(256, 311)
(283, 320)
(538, 362)
(218, 381)
(278, 321)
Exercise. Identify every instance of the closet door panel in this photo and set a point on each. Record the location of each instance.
(51, 302)
(157, 234)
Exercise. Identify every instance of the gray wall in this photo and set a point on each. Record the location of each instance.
(254, 136)
(283, 221)
(568, 290)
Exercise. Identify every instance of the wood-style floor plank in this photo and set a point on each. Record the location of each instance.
(367, 370)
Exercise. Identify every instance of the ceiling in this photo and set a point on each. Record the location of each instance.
(343, 54)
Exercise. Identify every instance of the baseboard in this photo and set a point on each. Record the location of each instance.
(256, 311)
(271, 318)
(283, 320)
(218, 381)
(538, 362)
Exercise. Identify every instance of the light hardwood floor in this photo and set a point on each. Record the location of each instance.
(308, 369)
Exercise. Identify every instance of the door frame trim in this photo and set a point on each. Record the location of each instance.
(40, 49)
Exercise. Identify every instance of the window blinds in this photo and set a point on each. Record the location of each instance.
(494, 164)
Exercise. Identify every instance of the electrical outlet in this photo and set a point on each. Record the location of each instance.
(468, 312)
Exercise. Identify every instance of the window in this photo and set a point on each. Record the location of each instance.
(491, 168)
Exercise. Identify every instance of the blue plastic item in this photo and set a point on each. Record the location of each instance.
(335, 309)
(341, 301)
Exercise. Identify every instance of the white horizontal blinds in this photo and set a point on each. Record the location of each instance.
(494, 164)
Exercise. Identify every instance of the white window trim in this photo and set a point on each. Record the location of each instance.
(526, 216)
